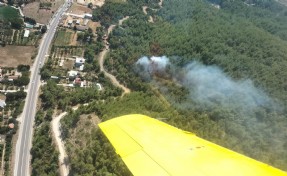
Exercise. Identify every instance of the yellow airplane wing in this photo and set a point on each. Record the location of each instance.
(150, 147)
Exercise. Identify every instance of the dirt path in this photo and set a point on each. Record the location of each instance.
(64, 165)
(2, 161)
(146, 7)
(102, 60)
(160, 3)
(63, 157)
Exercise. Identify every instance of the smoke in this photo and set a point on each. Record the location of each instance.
(146, 67)
(208, 86)
(240, 110)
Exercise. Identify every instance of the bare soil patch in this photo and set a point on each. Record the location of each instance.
(41, 15)
(79, 9)
(73, 40)
(94, 2)
(11, 56)
(68, 64)
(83, 130)
(94, 25)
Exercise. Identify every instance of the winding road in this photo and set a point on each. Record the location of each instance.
(102, 60)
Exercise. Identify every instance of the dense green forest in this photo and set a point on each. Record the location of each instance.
(241, 45)
(244, 41)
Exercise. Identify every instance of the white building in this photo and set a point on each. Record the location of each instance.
(81, 68)
(2, 103)
(88, 16)
(86, 21)
(26, 33)
(73, 73)
(99, 86)
(79, 61)
(70, 22)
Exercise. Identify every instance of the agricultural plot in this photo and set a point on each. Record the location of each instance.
(12, 56)
(16, 37)
(7, 13)
(43, 16)
(6, 35)
(67, 51)
(63, 37)
(19, 39)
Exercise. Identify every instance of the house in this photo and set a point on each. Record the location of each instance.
(77, 22)
(83, 83)
(79, 61)
(38, 26)
(70, 22)
(28, 25)
(11, 78)
(73, 73)
(26, 33)
(2, 103)
(88, 16)
(77, 81)
(54, 77)
(81, 68)
(81, 28)
(11, 125)
(99, 86)
(86, 21)
(61, 63)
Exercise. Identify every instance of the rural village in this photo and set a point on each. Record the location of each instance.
(21, 30)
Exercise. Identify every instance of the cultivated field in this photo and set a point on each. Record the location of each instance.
(11, 56)
(16, 37)
(43, 16)
(7, 12)
(63, 37)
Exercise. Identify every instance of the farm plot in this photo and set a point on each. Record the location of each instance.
(43, 16)
(11, 56)
(79, 9)
(8, 13)
(6, 35)
(19, 39)
(67, 51)
(63, 37)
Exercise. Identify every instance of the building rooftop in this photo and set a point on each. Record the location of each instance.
(73, 73)
(26, 33)
(2, 103)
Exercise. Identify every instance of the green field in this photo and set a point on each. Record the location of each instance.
(8, 13)
(63, 38)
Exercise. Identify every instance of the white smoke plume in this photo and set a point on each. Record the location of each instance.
(149, 66)
(207, 85)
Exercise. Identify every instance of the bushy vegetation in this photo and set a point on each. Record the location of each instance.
(233, 37)
(14, 107)
(44, 155)
(9, 14)
(247, 41)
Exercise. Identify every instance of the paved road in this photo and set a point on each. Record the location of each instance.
(24, 143)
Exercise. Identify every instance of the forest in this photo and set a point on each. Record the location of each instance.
(241, 43)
